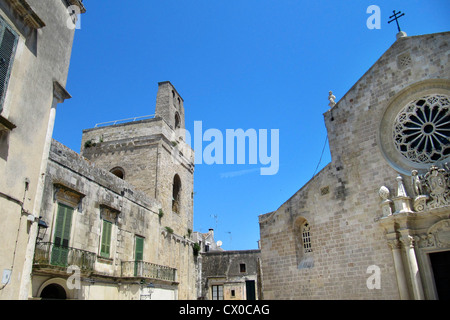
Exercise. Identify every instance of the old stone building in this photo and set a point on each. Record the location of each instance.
(231, 275)
(226, 275)
(35, 47)
(120, 215)
(375, 222)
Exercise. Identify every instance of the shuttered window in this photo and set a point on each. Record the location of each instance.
(139, 250)
(61, 238)
(138, 255)
(105, 248)
(8, 44)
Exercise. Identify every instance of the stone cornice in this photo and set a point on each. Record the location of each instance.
(26, 13)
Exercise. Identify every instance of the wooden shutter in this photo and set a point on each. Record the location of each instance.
(139, 250)
(138, 256)
(8, 43)
(105, 249)
(61, 240)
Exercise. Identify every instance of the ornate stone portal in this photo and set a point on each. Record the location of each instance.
(417, 227)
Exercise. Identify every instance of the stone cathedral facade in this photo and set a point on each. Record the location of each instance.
(375, 222)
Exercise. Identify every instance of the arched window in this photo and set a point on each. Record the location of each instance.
(176, 194)
(177, 120)
(304, 247)
(119, 172)
(306, 238)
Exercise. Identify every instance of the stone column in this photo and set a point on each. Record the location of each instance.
(411, 260)
(395, 246)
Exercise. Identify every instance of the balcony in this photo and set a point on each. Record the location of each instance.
(54, 258)
(142, 269)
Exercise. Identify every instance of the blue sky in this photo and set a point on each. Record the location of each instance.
(250, 64)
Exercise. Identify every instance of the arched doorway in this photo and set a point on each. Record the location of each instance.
(53, 291)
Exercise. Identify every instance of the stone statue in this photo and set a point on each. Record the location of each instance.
(416, 183)
(331, 98)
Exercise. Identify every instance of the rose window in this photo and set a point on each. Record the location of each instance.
(421, 130)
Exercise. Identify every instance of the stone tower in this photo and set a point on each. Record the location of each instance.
(151, 155)
(169, 105)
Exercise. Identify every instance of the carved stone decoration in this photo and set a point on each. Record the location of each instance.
(420, 131)
(432, 190)
(402, 201)
(67, 195)
(386, 203)
(384, 193)
(425, 240)
(441, 233)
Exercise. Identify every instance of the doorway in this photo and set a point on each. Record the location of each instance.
(54, 292)
(440, 262)
(250, 288)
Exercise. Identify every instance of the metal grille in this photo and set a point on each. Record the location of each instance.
(306, 238)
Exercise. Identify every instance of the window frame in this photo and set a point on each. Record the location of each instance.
(105, 243)
(4, 25)
(217, 292)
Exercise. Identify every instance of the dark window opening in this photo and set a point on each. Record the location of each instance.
(176, 194)
(118, 172)
(177, 121)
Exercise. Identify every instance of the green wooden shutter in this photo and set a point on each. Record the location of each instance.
(61, 238)
(138, 254)
(8, 44)
(139, 250)
(105, 249)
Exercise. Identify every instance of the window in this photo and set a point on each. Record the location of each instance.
(421, 130)
(138, 255)
(8, 44)
(177, 120)
(139, 249)
(242, 267)
(119, 172)
(176, 194)
(304, 250)
(105, 249)
(306, 238)
(61, 237)
(233, 293)
(217, 292)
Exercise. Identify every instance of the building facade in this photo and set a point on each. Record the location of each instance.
(35, 47)
(374, 223)
(231, 275)
(120, 214)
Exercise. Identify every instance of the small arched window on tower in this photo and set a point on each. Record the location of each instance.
(304, 248)
(176, 194)
(119, 172)
(177, 120)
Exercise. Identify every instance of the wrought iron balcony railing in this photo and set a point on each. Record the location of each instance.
(150, 270)
(48, 254)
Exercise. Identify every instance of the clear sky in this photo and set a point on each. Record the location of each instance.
(250, 64)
